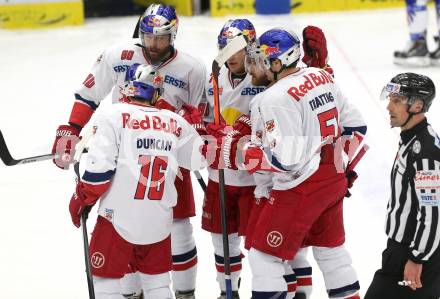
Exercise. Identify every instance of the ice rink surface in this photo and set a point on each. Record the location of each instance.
(41, 252)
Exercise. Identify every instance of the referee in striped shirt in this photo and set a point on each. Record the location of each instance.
(411, 260)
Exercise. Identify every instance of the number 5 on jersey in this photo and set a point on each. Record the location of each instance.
(152, 175)
(328, 121)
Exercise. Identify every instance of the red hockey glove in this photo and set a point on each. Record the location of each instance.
(212, 147)
(79, 205)
(212, 152)
(192, 115)
(233, 142)
(221, 152)
(66, 139)
(243, 125)
(162, 104)
(315, 47)
(217, 130)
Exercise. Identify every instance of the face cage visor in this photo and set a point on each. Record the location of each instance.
(157, 30)
(255, 60)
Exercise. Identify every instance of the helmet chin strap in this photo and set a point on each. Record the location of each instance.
(410, 115)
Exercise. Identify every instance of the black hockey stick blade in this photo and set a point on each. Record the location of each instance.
(7, 159)
(136, 29)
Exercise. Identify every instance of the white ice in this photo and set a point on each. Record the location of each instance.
(41, 251)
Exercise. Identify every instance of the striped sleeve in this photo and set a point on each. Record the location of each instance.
(427, 192)
(96, 86)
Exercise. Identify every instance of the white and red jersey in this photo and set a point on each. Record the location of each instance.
(263, 179)
(234, 98)
(292, 119)
(132, 163)
(184, 78)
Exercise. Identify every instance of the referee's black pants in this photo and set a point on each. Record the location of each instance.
(394, 258)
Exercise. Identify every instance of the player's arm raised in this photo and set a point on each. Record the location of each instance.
(315, 48)
(96, 86)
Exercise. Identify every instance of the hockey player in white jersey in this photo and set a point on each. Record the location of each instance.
(237, 90)
(184, 78)
(236, 93)
(132, 163)
(299, 280)
(296, 124)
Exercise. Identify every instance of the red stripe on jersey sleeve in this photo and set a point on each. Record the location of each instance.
(81, 114)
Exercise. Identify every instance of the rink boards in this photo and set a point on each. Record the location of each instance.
(225, 7)
(17, 14)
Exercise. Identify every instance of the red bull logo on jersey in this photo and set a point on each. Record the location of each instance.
(151, 123)
(268, 50)
(311, 81)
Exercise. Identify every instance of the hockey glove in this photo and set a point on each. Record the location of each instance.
(233, 142)
(222, 152)
(162, 104)
(217, 130)
(212, 152)
(192, 115)
(243, 125)
(80, 204)
(315, 47)
(67, 136)
(351, 178)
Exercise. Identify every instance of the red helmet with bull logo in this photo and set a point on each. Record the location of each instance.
(279, 44)
(236, 27)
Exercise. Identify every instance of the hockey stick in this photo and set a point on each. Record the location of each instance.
(235, 45)
(84, 216)
(80, 148)
(200, 180)
(357, 158)
(136, 29)
(354, 162)
(7, 159)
